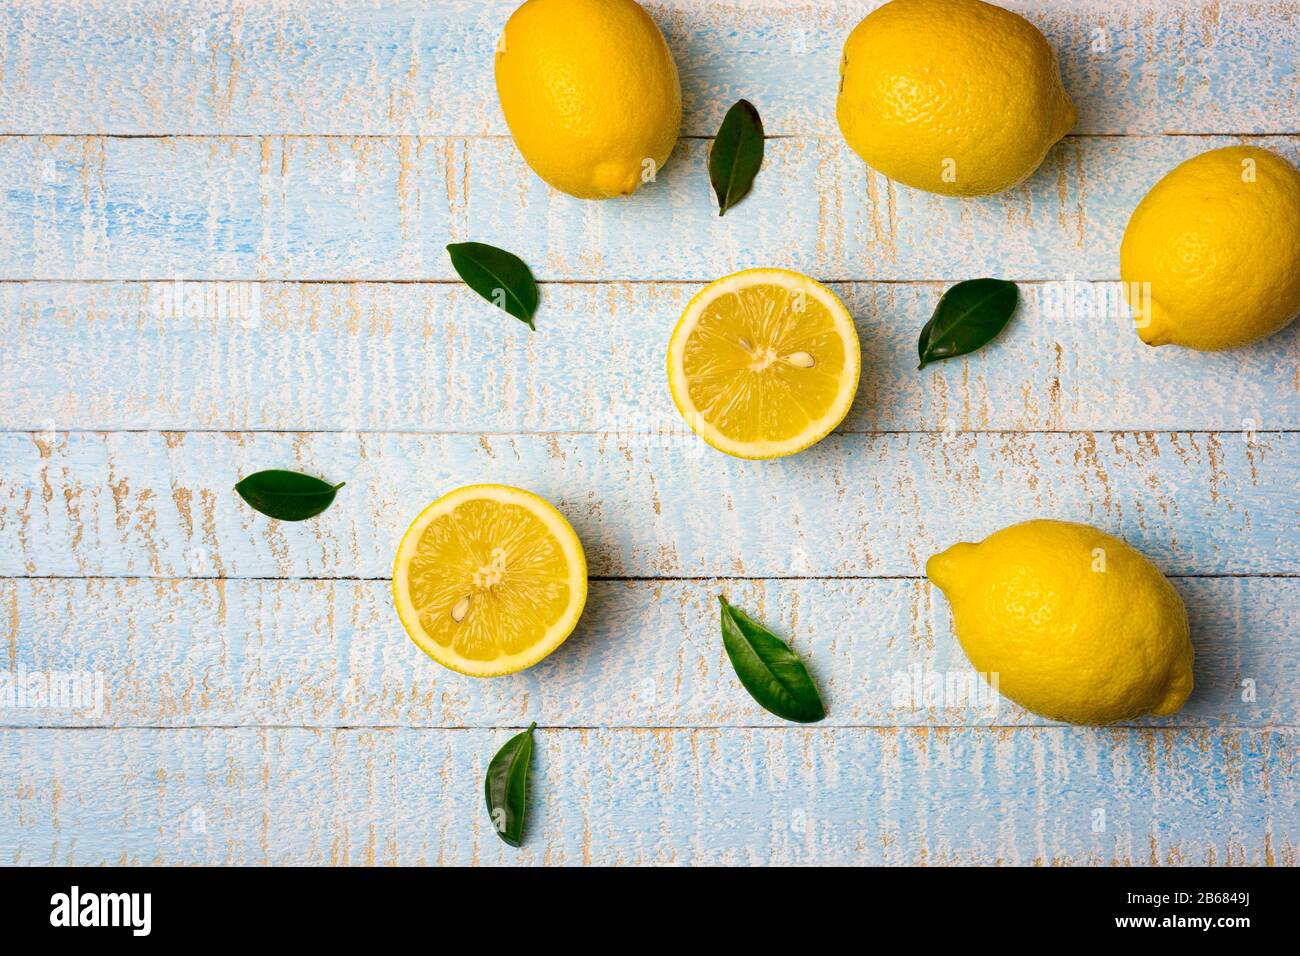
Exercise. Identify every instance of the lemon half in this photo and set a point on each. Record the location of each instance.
(764, 363)
(489, 579)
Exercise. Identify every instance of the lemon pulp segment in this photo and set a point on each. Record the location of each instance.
(489, 580)
(764, 363)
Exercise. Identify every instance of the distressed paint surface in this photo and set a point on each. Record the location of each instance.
(412, 67)
(742, 796)
(261, 701)
(145, 503)
(179, 653)
(383, 208)
(400, 357)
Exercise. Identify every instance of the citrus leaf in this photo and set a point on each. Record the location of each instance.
(287, 495)
(500, 277)
(771, 672)
(969, 316)
(506, 785)
(736, 154)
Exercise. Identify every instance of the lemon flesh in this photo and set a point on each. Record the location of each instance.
(590, 92)
(1075, 623)
(955, 97)
(764, 363)
(1211, 255)
(489, 579)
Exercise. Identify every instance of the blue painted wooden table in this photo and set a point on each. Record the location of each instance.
(221, 246)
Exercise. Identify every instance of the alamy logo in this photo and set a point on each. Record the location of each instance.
(53, 690)
(102, 909)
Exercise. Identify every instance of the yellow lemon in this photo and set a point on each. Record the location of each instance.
(952, 96)
(1211, 255)
(764, 363)
(489, 579)
(1075, 624)
(590, 93)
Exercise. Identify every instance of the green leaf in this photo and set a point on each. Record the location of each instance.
(287, 495)
(768, 669)
(505, 786)
(969, 316)
(500, 277)
(736, 154)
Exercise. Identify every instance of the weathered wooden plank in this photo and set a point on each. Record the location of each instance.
(403, 357)
(645, 505)
(332, 653)
(133, 66)
(648, 500)
(383, 208)
(788, 795)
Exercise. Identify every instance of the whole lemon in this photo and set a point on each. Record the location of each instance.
(590, 93)
(952, 96)
(1211, 255)
(1075, 624)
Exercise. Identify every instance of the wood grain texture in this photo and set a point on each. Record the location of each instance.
(177, 653)
(736, 797)
(254, 715)
(434, 357)
(162, 504)
(411, 67)
(384, 208)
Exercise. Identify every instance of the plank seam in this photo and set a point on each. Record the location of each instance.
(496, 137)
(598, 282)
(166, 280)
(632, 728)
(617, 433)
(614, 579)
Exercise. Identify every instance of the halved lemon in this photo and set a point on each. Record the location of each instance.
(764, 363)
(489, 579)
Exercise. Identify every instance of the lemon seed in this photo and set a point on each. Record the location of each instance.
(800, 360)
